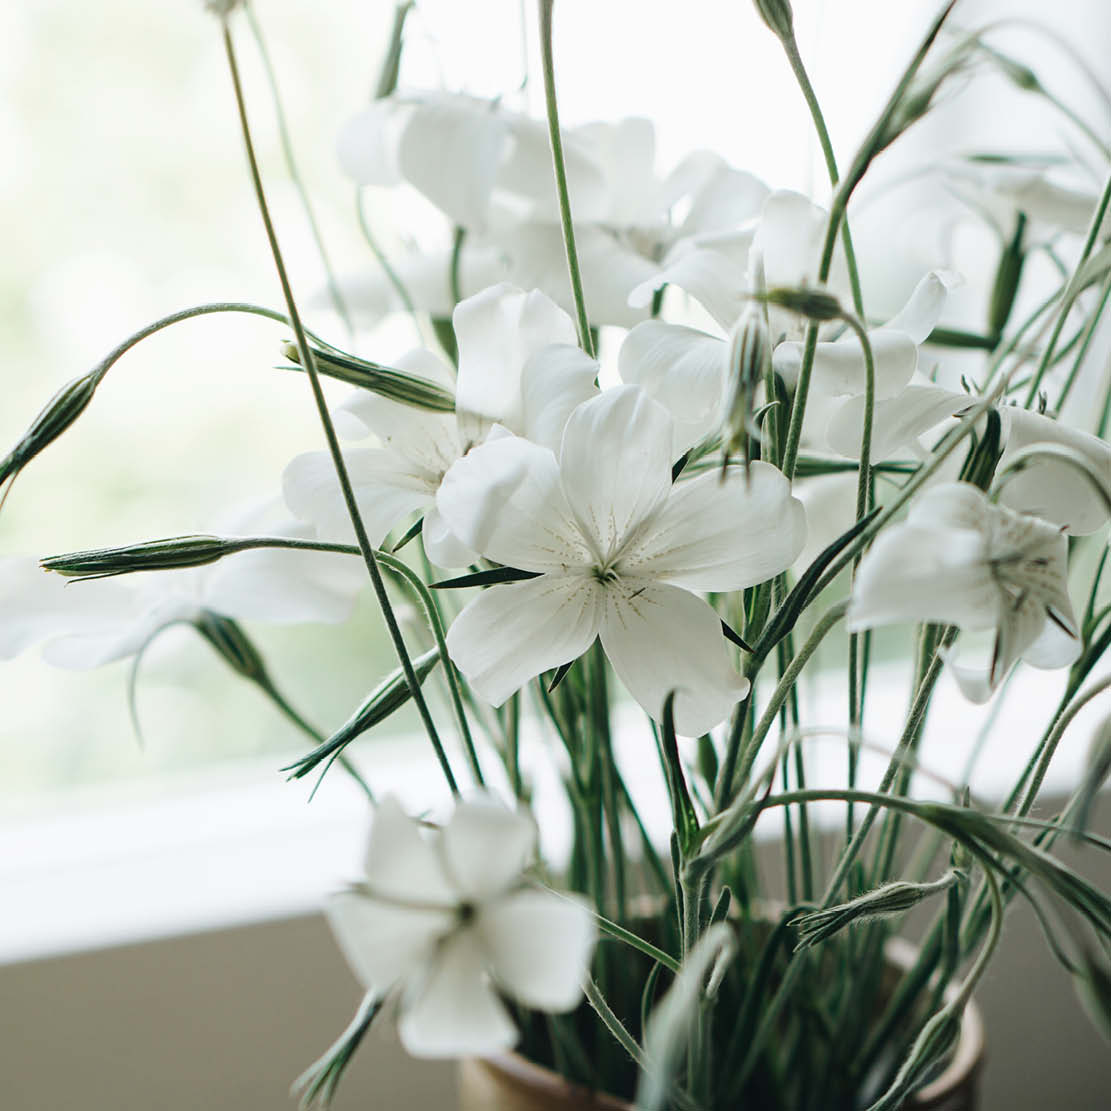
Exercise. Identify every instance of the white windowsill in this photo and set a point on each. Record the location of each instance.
(240, 844)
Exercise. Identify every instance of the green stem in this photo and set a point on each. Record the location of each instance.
(1070, 295)
(556, 140)
(790, 47)
(309, 363)
(294, 173)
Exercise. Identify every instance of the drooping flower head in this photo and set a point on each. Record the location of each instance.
(959, 559)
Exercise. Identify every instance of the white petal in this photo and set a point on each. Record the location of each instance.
(714, 278)
(1053, 648)
(37, 605)
(367, 144)
(498, 331)
(789, 238)
(915, 573)
(952, 505)
(527, 171)
(896, 422)
(284, 586)
(556, 380)
(682, 369)
(486, 847)
(724, 200)
(451, 149)
(385, 943)
(714, 535)
(503, 499)
(625, 153)
(829, 501)
(611, 268)
(1050, 488)
(401, 864)
(538, 947)
(615, 464)
(441, 545)
(661, 638)
(510, 634)
(454, 1011)
(919, 316)
(387, 489)
(839, 367)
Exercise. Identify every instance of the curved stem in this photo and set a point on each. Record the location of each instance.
(308, 361)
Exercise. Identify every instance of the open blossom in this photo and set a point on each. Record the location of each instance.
(685, 368)
(448, 922)
(958, 559)
(1045, 487)
(519, 367)
(617, 550)
(502, 191)
(88, 624)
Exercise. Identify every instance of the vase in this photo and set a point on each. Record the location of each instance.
(510, 1082)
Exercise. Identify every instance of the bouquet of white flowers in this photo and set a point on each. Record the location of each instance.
(584, 494)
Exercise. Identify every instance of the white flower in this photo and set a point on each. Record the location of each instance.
(960, 560)
(1044, 487)
(447, 922)
(87, 624)
(519, 368)
(684, 368)
(502, 190)
(617, 550)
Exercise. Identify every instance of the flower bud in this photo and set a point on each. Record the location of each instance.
(815, 304)
(1007, 276)
(152, 555)
(397, 385)
(233, 645)
(749, 360)
(778, 16)
(891, 898)
(60, 412)
(388, 697)
(222, 8)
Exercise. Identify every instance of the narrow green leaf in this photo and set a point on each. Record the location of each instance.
(486, 578)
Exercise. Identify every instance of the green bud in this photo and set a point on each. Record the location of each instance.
(1016, 72)
(778, 16)
(232, 643)
(388, 697)
(815, 304)
(750, 354)
(391, 63)
(1007, 277)
(60, 412)
(892, 898)
(397, 385)
(152, 555)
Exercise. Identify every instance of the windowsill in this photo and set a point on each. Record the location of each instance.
(240, 844)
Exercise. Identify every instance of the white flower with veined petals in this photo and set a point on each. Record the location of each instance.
(84, 625)
(1045, 487)
(447, 921)
(617, 550)
(958, 559)
(519, 367)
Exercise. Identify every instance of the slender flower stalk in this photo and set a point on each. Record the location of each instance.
(309, 363)
(556, 139)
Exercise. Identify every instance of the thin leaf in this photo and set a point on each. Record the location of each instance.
(485, 578)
